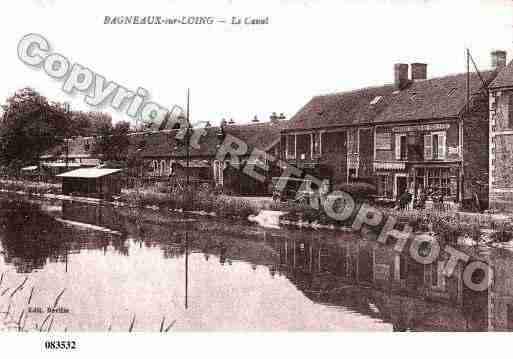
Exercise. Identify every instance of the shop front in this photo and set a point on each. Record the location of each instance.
(419, 179)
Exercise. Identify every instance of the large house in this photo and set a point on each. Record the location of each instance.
(416, 134)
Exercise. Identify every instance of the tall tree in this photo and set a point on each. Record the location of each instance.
(29, 126)
(112, 141)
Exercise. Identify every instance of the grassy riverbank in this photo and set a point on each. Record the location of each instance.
(448, 226)
(29, 187)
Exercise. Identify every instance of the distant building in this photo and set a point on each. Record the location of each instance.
(159, 156)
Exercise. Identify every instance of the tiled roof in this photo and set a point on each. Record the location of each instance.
(164, 143)
(260, 135)
(504, 78)
(436, 98)
(344, 108)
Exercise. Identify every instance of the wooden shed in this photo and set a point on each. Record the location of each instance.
(92, 182)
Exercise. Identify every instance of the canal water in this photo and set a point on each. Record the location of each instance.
(105, 268)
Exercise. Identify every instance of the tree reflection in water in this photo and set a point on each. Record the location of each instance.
(30, 237)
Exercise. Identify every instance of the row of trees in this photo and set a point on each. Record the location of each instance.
(31, 125)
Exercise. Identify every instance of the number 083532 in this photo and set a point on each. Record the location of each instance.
(60, 344)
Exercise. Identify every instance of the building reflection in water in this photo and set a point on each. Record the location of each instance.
(335, 270)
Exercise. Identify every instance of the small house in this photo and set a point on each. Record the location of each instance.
(92, 182)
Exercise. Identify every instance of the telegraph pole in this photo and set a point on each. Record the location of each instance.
(188, 139)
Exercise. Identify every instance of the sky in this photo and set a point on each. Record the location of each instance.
(235, 71)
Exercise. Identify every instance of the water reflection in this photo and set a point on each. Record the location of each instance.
(334, 281)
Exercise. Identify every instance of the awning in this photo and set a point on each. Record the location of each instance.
(89, 172)
(389, 165)
(193, 163)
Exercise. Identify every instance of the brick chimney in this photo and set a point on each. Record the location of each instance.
(400, 76)
(418, 71)
(498, 59)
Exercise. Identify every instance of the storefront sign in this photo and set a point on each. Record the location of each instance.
(389, 166)
(453, 150)
(384, 141)
(429, 127)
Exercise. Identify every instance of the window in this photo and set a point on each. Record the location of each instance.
(290, 146)
(376, 100)
(352, 174)
(437, 275)
(385, 186)
(451, 91)
(317, 144)
(510, 110)
(402, 267)
(334, 142)
(435, 146)
(434, 274)
(439, 179)
(303, 146)
(510, 316)
(401, 147)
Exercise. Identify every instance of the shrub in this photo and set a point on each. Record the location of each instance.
(359, 190)
(233, 207)
(29, 186)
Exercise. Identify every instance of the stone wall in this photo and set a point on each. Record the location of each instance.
(501, 150)
(475, 152)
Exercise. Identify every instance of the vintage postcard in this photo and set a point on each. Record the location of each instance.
(255, 166)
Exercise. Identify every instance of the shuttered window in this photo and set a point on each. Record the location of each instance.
(428, 147)
(401, 147)
(435, 146)
(438, 145)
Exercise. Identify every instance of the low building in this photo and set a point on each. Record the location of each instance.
(159, 156)
(92, 182)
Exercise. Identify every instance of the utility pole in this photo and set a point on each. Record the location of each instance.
(66, 142)
(188, 139)
(465, 113)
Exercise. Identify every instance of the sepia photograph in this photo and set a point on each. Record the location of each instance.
(291, 166)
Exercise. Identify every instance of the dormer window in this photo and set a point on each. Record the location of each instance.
(376, 100)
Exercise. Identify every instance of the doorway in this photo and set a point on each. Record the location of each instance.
(401, 183)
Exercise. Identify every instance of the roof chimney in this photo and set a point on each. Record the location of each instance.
(255, 119)
(418, 71)
(400, 76)
(498, 59)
